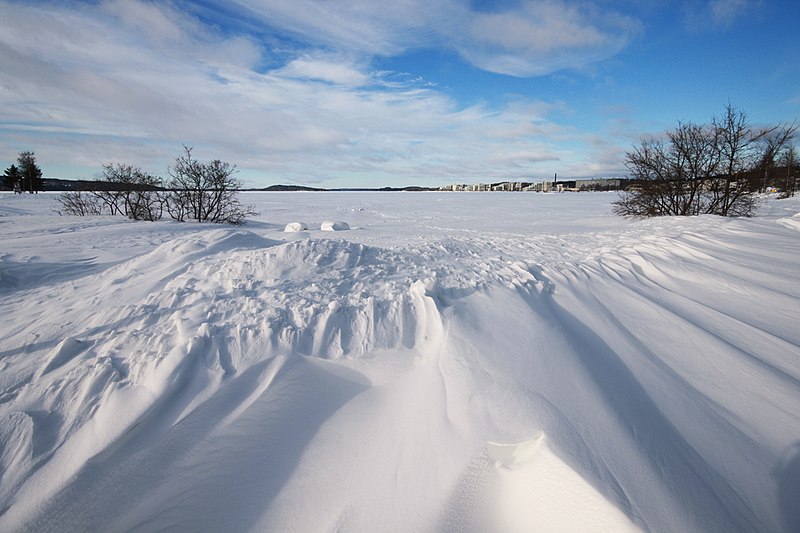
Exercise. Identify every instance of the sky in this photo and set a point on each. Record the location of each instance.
(364, 93)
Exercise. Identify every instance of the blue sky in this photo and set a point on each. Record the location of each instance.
(369, 93)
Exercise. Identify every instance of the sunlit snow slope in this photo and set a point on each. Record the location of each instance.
(429, 362)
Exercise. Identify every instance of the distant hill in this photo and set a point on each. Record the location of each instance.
(62, 185)
(285, 188)
(411, 188)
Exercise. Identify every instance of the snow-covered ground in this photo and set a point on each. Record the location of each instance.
(451, 362)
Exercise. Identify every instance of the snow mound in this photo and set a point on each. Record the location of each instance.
(294, 227)
(535, 490)
(330, 225)
(791, 222)
(513, 455)
(524, 487)
(66, 350)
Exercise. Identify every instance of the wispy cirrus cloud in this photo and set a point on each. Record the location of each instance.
(529, 38)
(355, 26)
(718, 14)
(725, 12)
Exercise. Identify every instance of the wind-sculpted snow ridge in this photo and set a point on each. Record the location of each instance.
(642, 377)
(162, 331)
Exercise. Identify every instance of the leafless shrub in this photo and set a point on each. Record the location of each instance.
(131, 192)
(703, 168)
(204, 191)
(78, 203)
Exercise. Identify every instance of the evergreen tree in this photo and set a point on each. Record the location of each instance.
(30, 171)
(11, 176)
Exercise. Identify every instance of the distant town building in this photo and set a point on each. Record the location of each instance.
(597, 184)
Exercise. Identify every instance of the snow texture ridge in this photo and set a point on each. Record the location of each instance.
(427, 372)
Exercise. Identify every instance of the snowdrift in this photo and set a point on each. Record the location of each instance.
(560, 370)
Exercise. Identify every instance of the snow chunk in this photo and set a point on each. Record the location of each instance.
(791, 222)
(514, 455)
(293, 227)
(329, 225)
(535, 490)
(63, 353)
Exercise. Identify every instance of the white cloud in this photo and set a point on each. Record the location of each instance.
(132, 81)
(535, 37)
(718, 14)
(335, 70)
(159, 24)
(361, 26)
(725, 12)
(543, 37)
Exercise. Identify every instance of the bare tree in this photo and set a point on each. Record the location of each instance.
(789, 160)
(671, 173)
(730, 190)
(772, 144)
(132, 192)
(125, 190)
(702, 169)
(694, 160)
(204, 191)
(649, 165)
(197, 190)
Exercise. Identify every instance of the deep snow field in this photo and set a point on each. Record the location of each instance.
(482, 362)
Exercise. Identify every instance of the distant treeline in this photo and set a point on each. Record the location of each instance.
(61, 185)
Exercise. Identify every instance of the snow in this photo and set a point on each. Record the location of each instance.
(331, 225)
(454, 362)
(292, 227)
